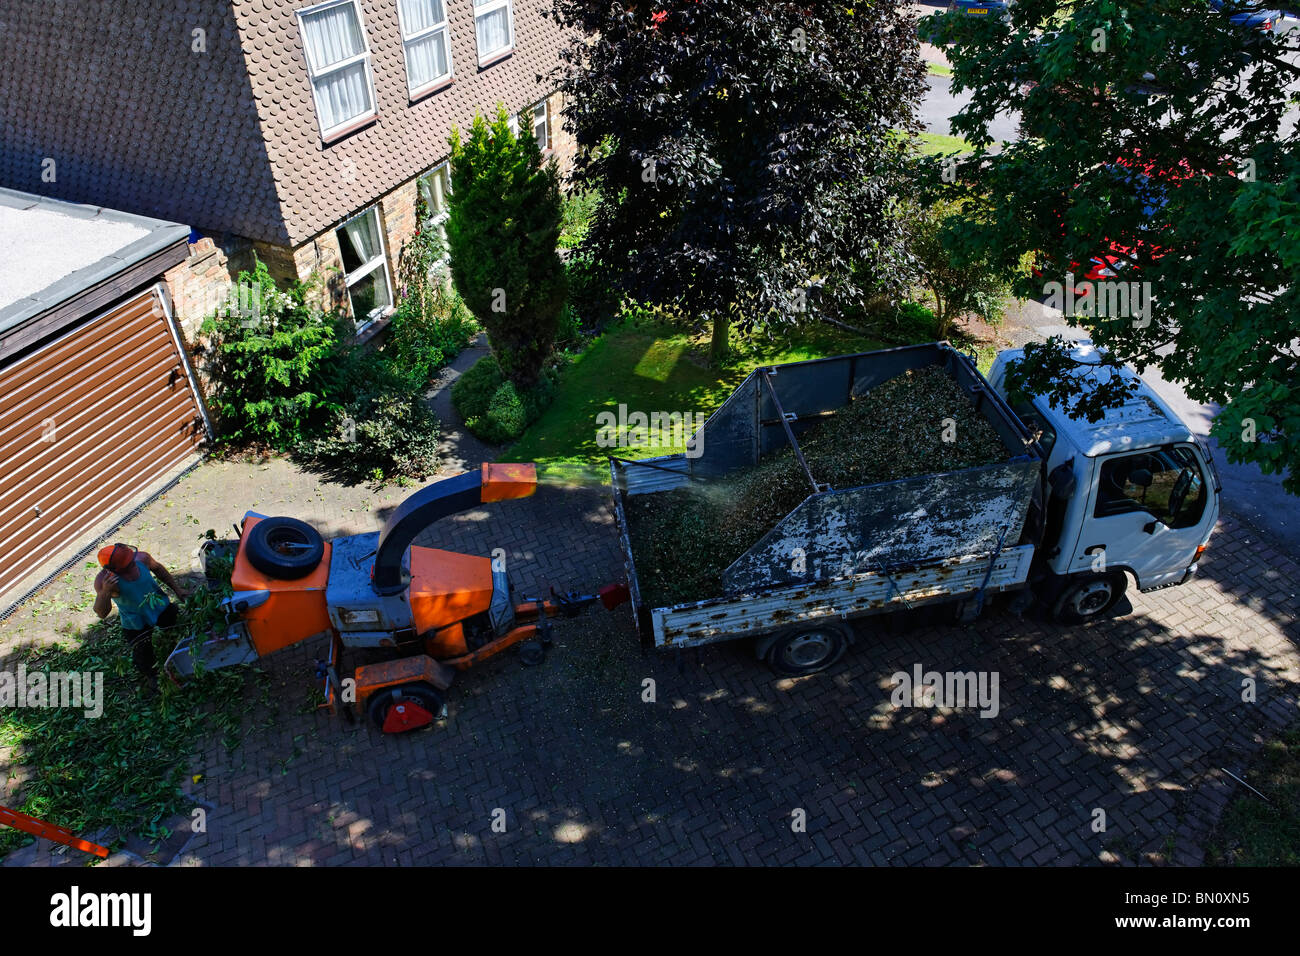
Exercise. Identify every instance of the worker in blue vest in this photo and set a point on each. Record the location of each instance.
(129, 579)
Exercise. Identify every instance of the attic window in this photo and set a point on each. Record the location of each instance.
(338, 62)
(494, 28)
(424, 40)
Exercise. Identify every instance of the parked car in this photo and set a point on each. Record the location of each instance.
(1151, 184)
(981, 8)
(1252, 13)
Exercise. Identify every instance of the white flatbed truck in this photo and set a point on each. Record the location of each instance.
(1075, 511)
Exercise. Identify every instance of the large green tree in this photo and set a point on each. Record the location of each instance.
(1156, 137)
(744, 152)
(503, 223)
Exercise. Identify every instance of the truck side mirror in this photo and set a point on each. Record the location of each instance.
(1062, 481)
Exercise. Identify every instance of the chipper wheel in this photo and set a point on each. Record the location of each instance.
(408, 707)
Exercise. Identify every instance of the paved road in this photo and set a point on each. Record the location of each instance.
(940, 104)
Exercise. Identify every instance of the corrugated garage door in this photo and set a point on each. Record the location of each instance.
(89, 424)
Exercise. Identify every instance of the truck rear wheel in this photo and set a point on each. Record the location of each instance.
(807, 650)
(1089, 597)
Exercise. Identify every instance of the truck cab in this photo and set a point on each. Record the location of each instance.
(1134, 494)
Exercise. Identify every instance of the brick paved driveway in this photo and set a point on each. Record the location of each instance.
(1134, 717)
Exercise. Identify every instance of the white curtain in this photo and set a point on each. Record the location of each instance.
(420, 15)
(493, 30)
(332, 36)
(434, 189)
(426, 192)
(364, 236)
(342, 95)
(426, 59)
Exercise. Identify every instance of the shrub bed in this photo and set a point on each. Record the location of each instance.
(492, 407)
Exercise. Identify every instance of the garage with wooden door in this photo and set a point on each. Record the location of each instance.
(98, 405)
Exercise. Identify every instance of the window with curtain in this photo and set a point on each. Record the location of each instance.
(434, 189)
(365, 268)
(425, 42)
(494, 27)
(540, 129)
(338, 62)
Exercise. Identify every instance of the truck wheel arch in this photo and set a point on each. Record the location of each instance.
(1089, 596)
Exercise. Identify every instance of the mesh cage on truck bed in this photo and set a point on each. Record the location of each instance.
(889, 527)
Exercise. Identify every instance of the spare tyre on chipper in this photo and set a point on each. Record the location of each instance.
(284, 548)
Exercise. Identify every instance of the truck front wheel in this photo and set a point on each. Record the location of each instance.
(1089, 597)
(807, 650)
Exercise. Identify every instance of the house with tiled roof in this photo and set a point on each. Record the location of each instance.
(301, 131)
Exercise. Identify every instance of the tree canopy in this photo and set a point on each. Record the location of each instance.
(744, 152)
(1156, 141)
(503, 223)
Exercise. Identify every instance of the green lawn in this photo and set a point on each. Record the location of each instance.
(649, 370)
(1252, 832)
(938, 69)
(933, 144)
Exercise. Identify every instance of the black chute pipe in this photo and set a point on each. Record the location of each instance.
(440, 499)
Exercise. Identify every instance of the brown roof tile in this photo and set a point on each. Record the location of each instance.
(228, 141)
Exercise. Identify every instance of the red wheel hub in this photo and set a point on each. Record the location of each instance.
(404, 715)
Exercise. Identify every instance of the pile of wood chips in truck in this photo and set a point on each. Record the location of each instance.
(682, 540)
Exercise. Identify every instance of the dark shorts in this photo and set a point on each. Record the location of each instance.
(141, 641)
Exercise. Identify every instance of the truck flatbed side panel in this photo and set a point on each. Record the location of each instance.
(730, 438)
(748, 426)
(649, 475)
(706, 622)
(618, 482)
(892, 524)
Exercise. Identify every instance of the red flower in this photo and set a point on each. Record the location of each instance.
(658, 18)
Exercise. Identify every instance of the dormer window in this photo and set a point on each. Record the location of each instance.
(338, 62)
(425, 43)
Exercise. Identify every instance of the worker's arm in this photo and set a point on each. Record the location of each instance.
(105, 588)
(162, 573)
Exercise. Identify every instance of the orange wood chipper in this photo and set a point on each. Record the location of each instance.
(438, 610)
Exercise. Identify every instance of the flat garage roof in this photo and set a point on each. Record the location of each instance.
(51, 250)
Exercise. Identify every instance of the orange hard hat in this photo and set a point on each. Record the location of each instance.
(116, 557)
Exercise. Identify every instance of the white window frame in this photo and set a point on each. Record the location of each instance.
(313, 75)
(438, 220)
(545, 106)
(492, 7)
(409, 38)
(368, 268)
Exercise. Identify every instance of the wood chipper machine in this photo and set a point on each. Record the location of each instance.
(439, 611)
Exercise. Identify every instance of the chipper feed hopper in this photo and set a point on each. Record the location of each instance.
(439, 611)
